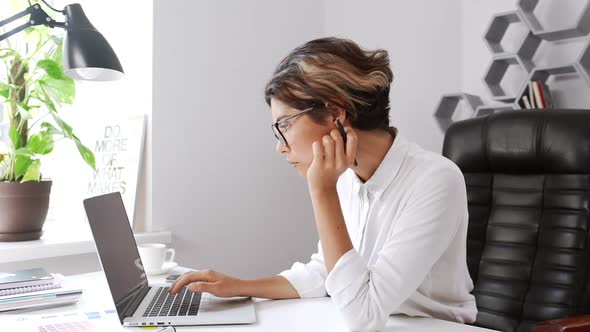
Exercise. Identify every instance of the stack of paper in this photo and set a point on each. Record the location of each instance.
(34, 288)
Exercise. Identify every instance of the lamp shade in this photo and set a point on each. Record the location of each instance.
(87, 55)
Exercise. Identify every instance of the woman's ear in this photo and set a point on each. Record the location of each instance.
(340, 114)
(341, 117)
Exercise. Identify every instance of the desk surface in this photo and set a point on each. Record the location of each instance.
(277, 315)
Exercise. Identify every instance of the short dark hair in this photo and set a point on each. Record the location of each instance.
(338, 72)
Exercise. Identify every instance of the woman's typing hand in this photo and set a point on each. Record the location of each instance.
(209, 281)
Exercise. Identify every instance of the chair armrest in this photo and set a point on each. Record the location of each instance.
(570, 324)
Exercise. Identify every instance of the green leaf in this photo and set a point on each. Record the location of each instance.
(86, 154)
(58, 53)
(15, 138)
(33, 172)
(5, 89)
(6, 52)
(52, 68)
(50, 129)
(66, 128)
(22, 164)
(41, 143)
(50, 93)
(24, 152)
(62, 90)
(23, 112)
(45, 98)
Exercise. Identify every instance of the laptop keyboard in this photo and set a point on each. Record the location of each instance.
(184, 303)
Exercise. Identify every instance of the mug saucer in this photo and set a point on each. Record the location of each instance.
(165, 268)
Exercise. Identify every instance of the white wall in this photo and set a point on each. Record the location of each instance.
(423, 40)
(233, 203)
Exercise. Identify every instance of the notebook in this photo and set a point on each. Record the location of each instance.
(25, 278)
(65, 292)
(55, 283)
(44, 298)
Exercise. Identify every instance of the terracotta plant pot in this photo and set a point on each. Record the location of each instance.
(23, 209)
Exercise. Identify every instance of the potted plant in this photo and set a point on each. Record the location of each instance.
(33, 87)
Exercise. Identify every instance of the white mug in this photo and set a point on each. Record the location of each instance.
(153, 255)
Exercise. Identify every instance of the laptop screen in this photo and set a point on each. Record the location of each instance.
(116, 248)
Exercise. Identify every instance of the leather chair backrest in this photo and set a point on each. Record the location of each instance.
(528, 188)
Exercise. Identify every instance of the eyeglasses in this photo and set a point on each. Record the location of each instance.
(281, 126)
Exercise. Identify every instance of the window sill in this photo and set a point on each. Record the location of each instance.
(55, 242)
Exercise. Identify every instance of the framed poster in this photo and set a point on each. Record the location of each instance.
(117, 145)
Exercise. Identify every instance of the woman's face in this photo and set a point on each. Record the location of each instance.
(300, 133)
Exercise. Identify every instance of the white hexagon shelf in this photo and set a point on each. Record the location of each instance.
(496, 72)
(448, 105)
(580, 27)
(543, 75)
(496, 32)
(583, 62)
(527, 50)
(485, 110)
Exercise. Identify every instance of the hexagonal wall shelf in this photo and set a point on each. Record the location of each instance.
(497, 29)
(527, 50)
(495, 74)
(485, 110)
(583, 62)
(500, 76)
(580, 26)
(448, 105)
(543, 75)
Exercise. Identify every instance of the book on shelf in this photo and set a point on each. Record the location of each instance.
(526, 102)
(25, 278)
(531, 95)
(536, 96)
(546, 95)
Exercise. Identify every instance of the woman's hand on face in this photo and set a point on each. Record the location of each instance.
(331, 158)
(209, 281)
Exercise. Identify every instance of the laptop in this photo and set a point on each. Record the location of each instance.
(141, 304)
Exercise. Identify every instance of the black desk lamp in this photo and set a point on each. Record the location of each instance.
(86, 53)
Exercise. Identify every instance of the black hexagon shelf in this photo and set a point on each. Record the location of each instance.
(580, 26)
(448, 105)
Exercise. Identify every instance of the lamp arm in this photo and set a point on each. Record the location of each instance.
(38, 17)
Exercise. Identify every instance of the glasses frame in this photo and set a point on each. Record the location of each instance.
(275, 125)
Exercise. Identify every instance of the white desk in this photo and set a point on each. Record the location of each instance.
(278, 315)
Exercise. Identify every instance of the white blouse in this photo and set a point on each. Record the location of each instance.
(408, 226)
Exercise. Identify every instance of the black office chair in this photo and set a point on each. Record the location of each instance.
(528, 190)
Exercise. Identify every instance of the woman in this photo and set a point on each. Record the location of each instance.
(391, 217)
